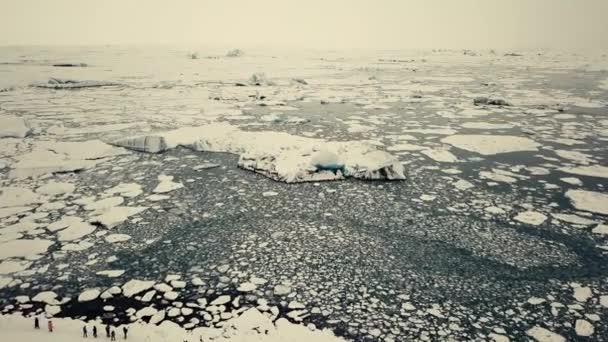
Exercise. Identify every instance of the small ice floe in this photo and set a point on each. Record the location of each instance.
(572, 181)
(590, 171)
(129, 190)
(479, 101)
(531, 217)
(485, 125)
(441, 155)
(601, 229)
(541, 334)
(65, 83)
(577, 157)
(491, 144)
(13, 127)
(462, 184)
(574, 219)
(205, 166)
(269, 194)
(75, 231)
(498, 175)
(583, 328)
(111, 273)
(113, 216)
(166, 185)
(51, 157)
(114, 238)
(23, 248)
(581, 293)
(53, 188)
(135, 286)
(591, 201)
(17, 197)
(88, 295)
(12, 266)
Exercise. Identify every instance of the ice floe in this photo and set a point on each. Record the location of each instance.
(50, 157)
(13, 127)
(591, 201)
(531, 217)
(491, 144)
(65, 83)
(591, 171)
(23, 248)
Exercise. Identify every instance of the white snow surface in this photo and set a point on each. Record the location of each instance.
(279, 156)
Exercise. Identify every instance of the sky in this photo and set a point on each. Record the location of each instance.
(375, 24)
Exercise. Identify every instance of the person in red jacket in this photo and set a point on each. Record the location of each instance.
(50, 325)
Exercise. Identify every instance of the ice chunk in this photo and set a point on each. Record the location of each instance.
(583, 328)
(13, 127)
(129, 190)
(148, 143)
(491, 144)
(594, 202)
(478, 101)
(10, 266)
(113, 238)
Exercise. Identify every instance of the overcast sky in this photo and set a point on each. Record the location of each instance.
(310, 23)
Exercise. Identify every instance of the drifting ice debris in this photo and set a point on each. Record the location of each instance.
(300, 81)
(13, 127)
(490, 102)
(65, 83)
(280, 156)
(235, 53)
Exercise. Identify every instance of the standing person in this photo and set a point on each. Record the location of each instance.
(50, 325)
(107, 330)
(94, 331)
(36, 323)
(84, 331)
(125, 331)
(113, 336)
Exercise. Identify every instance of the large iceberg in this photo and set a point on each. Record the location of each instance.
(279, 156)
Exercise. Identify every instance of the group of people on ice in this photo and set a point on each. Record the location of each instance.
(110, 332)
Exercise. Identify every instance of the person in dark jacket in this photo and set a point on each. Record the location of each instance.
(95, 331)
(107, 330)
(113, 335)
(125, 330)
(84, 331)
(50, 325)
(36, 323)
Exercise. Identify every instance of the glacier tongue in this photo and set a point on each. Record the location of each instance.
(279, 156)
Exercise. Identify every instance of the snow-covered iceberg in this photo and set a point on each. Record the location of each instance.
(279, 156)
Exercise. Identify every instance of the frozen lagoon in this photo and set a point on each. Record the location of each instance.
(480, 239)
